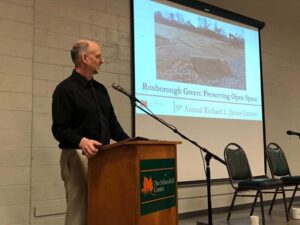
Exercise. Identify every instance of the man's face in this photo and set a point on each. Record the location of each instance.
(93, 58)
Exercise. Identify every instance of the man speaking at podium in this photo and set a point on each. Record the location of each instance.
(83, 121)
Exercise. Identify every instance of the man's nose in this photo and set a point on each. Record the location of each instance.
(101, 60)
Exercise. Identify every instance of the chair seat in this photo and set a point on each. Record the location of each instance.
(291, 179)
(261, 183)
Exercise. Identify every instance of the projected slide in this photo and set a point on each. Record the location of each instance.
(181, 57)
(191, 65)
(200, 73)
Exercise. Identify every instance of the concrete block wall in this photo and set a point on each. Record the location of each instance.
(16, 52)
(35, 39)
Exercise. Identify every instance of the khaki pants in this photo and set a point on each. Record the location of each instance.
(74, 174)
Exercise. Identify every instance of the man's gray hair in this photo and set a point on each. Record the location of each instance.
(78, 49)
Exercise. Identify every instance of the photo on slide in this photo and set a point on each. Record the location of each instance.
(200, 52)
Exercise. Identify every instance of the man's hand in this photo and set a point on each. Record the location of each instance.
(89, 147)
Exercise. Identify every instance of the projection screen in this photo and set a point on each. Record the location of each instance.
(201, 73)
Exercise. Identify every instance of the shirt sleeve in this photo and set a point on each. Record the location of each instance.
(62, 109)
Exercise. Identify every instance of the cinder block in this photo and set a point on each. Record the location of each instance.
(41, 122)
(97, 5)
(117, 66)
(22, 157)
(47, 191)
(106, 78)
(16, 30)
(104, 20)
(63, 9)
(16, 101)
(28, 3)
(52, 56)
(14, 176)
(124, 24)
(43, 139)
(44, 71)
(13, 47)
(110, 50)
(119, 7)
(94, 32)
(53, 40)
(124, 39)
(125, 81)
(14, 195)
(14, 214)
(15, 65)
(15, 138)
(45, 156)
(42, 104)
(44, 87)
(16, 83)
(125, 53)
(112, 36)
(123, 110)
(56, 24)
(45, 173)
(19, 120)
(16, 12)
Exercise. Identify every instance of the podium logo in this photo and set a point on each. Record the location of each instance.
(157, 183)
(147, 186)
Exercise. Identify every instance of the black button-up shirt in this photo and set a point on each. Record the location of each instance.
(75, 114)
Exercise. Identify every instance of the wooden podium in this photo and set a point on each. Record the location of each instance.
(133, 183)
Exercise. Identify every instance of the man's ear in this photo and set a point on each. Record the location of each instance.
(84, 58)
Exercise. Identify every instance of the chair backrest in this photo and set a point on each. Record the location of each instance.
(277, 161)
(237, 163)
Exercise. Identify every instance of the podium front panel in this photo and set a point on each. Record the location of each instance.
(133, 183)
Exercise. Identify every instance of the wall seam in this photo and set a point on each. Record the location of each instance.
(32, 117)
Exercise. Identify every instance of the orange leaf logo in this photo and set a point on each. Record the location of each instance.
(147, 185)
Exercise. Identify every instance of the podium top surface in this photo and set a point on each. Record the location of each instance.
(140, 142)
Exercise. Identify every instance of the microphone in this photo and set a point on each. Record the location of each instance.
(289, 132)
(122, 90)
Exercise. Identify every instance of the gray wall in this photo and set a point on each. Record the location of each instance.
(35, 38)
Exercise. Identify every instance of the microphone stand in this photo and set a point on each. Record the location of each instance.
(209, 155)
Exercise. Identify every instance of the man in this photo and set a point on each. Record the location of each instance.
(83, 121)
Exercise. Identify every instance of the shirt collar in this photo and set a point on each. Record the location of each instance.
(81, 79)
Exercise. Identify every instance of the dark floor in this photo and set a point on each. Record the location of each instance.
(242, 217)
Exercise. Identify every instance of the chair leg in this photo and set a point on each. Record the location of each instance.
(232, 204)
(293, 196)
(284, 202)
(262, 208)
(273, 200)
(254, 203)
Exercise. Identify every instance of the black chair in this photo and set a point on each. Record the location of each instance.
(280, 169)
(242, 181)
